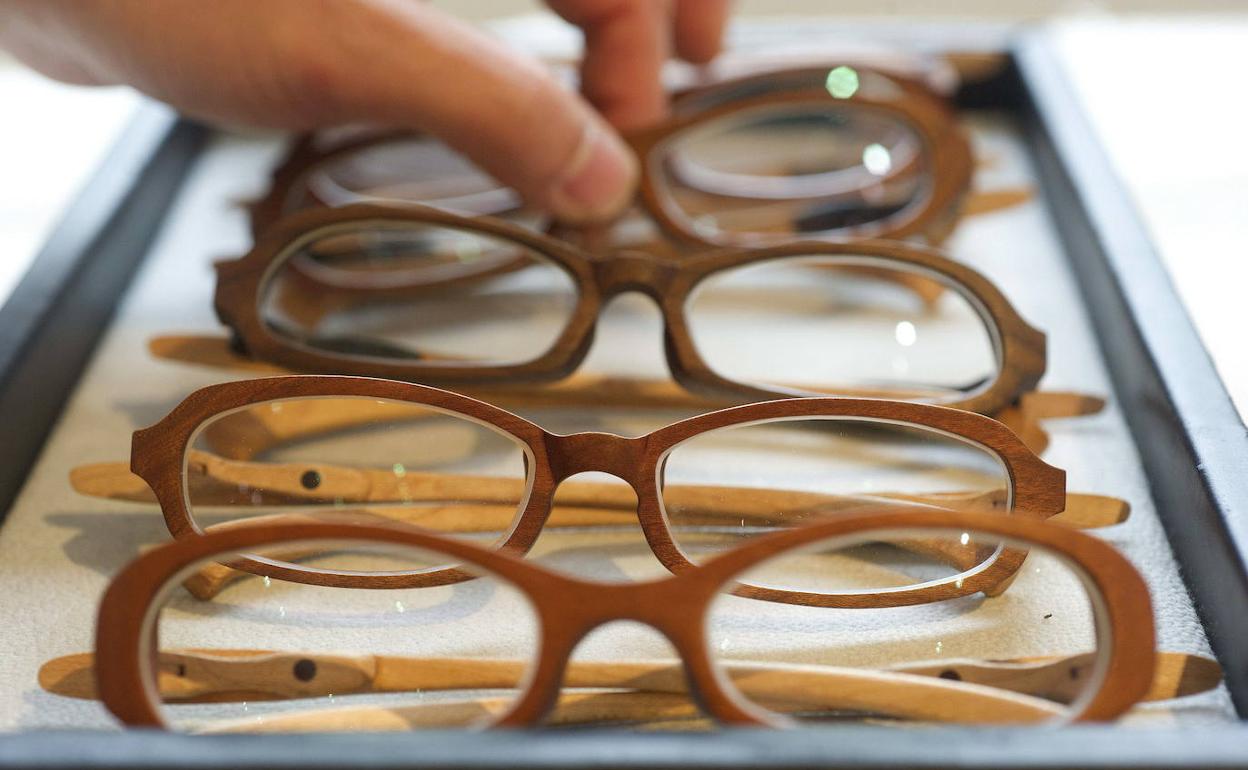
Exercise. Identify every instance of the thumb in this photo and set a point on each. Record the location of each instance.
(406, 64)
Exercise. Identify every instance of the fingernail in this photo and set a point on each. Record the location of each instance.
(598, 182)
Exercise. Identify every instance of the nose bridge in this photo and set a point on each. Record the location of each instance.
(633, 271)
(603, 452)
(647, 603)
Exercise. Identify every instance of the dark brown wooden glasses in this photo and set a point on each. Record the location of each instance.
(339, 449)
(416, 293)
(397, 657)
(836, 150)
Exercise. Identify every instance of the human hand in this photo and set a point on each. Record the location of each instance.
(304, 64)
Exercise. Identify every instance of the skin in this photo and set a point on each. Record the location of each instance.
(304, 64)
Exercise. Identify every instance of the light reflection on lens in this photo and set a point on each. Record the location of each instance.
(905, 333)
(877, 159)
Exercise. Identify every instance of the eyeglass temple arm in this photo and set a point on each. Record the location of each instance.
(472, 504)
(965, 686)
(645, 708)
(210, 579)
(486, 503)
(576, 390)
(627, 393)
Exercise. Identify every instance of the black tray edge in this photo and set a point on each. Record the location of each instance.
(51, 323)
(1163, 377)
(846, 747)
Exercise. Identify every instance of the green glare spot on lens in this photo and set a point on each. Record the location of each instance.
(842, 82)
(399, 470)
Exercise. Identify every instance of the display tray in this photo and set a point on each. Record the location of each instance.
(72, 386)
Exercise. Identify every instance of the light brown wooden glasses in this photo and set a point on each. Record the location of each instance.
(320, 448)
(416, 293)
(744, 661)
(850, 151)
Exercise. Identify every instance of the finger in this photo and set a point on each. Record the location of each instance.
(302, 64)
(416, 67)
(626, 43)
(698, 29)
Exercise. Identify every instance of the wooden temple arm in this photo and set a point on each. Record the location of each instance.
(1025, 415)
(203, 676)
(468, 503)
(606, 708)
(603, 391)
(477, 504)
(210, 579)
(1024, 689)
(579, 389)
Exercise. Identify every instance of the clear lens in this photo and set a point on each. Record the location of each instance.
(413, 169)
(419, 294)
(280, 656)
(726, 485)
(868, 326)
(776, 171)
(346, 459)
(1034, 654)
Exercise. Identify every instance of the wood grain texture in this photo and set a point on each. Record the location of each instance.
(478, 504)
(568, 608)
(217, 675)
(483, 503)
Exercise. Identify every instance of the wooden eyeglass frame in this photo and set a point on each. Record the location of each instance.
(932, 214)
(159, 456)
(569, 608)
(1018, 347)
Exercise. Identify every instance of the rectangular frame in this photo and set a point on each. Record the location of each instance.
(1189, 435)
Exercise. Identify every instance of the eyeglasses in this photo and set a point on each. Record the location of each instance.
(509, 631)
(420, 294)
(830, 151)
(366, 450)
(248, 464)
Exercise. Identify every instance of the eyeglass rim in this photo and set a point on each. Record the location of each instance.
(944, 148)
(241, 286)
(159, 455)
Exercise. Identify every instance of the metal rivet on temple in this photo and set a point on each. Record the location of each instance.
(305, 670)
(310, 480)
